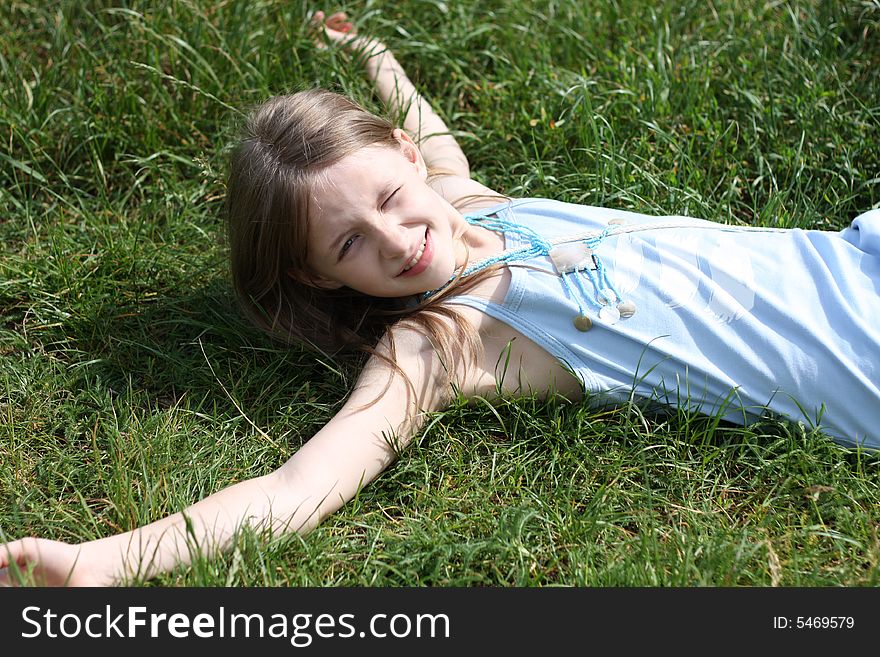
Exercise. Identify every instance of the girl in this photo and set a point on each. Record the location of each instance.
(347, 232)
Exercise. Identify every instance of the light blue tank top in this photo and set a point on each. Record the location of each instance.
(730, 321)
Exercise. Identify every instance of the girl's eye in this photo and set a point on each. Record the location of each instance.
(347, 245)
(390, 197)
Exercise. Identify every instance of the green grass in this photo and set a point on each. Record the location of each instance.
(130, 386)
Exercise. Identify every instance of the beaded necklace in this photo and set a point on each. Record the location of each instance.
(570, 256)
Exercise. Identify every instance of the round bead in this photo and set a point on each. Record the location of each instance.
(627, 309)
(583, 323)
(609, 314)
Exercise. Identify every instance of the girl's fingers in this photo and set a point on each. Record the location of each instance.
(9, 553)
(334, 27)
(14, 557)
(339, 22)
(10, 579)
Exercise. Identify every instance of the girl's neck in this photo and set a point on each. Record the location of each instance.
(479, 243)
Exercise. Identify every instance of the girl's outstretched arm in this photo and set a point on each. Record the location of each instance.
(346, 454)
(438, 146)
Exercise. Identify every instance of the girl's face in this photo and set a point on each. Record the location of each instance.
(377, 227)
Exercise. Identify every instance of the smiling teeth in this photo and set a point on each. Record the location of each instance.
(417, 256)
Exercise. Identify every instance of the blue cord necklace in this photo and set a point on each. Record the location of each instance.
(570, 257)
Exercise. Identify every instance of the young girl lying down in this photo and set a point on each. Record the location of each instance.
(349, 232)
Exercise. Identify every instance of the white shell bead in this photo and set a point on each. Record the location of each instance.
(571, 257)
(627, 309)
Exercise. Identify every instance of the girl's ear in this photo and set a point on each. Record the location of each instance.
(411, 151)
(313, 281)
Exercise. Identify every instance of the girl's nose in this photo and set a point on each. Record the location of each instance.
(393, 242)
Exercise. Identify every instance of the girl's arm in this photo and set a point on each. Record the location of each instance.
(345, 455)
(442, 153)
(439, 148)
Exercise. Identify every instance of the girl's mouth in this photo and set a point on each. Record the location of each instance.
(421, 260)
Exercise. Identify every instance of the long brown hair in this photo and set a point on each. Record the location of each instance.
(288, 142)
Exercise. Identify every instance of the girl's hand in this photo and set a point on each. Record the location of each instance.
(40, 562)
(337, 28)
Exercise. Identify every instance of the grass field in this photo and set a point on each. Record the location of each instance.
(130, 385)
